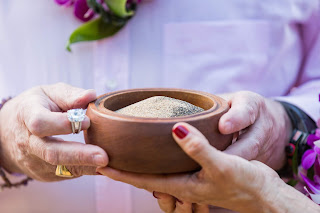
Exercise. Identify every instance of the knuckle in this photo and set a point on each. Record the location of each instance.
(269, 127)
(194, 146)
(28, 165)
(35, 125)
(20, 157)
(252, 113)
(255, 149)
(225, 172)
(51, 156)
(60, 85)
(76, 171)
(22, 145)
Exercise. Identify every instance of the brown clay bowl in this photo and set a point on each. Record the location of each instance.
(145, 145)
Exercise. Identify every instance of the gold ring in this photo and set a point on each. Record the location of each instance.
(62, 171)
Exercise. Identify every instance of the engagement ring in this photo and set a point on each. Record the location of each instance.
(76, 116)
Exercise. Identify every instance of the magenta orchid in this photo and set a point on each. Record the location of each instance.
(81, 8)
(312, 158)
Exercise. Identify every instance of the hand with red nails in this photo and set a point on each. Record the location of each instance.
(264, 127)
(28, 123)
(225, 180)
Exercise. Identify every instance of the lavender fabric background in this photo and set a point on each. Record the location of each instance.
(270, 47)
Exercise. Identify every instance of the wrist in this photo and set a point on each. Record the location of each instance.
(6, 158)
(281, 133)
(284, 198)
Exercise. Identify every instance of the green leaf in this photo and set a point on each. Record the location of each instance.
(292, 182)
(310, 173)
(295, 162)
(93, 30)
(118, 7)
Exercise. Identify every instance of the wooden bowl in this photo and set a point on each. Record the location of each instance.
(145, 145)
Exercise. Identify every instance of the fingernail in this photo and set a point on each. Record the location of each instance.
(180, 131)
(179, 201)
(228, 126)
(99, 160)
(155, 195)
(98, 173)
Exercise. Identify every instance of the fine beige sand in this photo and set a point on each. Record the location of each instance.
(160, 107)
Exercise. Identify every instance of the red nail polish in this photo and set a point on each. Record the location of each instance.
(154, 194)
(179, 201)
(98, 173)
(180, 131)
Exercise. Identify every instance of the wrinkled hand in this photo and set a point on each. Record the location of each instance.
(225, 180)
(264, 127)
(27, 124)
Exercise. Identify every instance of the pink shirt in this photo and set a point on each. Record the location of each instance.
(269, 47)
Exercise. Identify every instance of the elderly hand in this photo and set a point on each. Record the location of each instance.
(264, 127)
(27, 124)
(225, 180)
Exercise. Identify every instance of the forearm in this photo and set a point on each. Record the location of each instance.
(284, 198)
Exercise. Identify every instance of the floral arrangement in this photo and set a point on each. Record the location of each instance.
(103, 18)
(309, 170)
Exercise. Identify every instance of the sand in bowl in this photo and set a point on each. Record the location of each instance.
(160, 107)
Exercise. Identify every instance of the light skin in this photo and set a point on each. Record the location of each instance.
(27, 124)
(225, 180)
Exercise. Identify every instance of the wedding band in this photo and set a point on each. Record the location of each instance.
(62, 171)
(76, 116)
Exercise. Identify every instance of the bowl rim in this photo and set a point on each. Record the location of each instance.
(219, 106)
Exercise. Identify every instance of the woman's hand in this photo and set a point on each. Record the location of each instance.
(225, 180)
(170, 204)
(264, 127)
(27, 124)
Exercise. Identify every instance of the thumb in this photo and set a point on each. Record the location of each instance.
(194, 144)
(243, 112)
(69, 97)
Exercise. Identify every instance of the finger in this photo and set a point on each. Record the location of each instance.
(183, 207)
(175, 184)
(167, 203)
(216, 209)
(199, 208)
(42, 122)
(243, 112)
(76, 171)
(248, 144)
(45, 172)
(193, 143)
(69, 97)
(59, 152)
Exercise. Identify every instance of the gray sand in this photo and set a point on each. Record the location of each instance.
(160, 107)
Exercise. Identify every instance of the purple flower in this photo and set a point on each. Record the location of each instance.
(314, 197)
(82, 11)
(81, 8)
(308, 159)
(311, 158)
(312, 138)
(64, 2)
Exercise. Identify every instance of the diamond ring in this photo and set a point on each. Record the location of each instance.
(76, 116)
